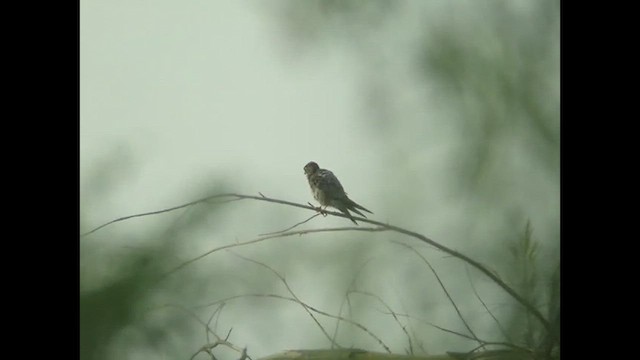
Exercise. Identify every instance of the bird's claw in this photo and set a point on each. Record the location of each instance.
(318, 209)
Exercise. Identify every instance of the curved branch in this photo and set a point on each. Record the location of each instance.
(474, 263)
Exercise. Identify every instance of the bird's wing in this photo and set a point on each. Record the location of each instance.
(329, 184)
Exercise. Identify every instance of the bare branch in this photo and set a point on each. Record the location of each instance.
(442, 286)
(309, 308)
(218, 310)
(290, 228)
(520, 299)
(284, 281)
(210, 345)
(482, 342)
(504, 333)
(324, 313)
(393, 313)
(346, 296)
(280, 235)
(207, 199)
(157, 212)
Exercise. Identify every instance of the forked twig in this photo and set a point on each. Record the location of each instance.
(475, 292)
(346, 298)
(289, 228)
(210, 345)
(482, 342)
(391, 312)
(208, 198)
(263, 238)
(284, 281)
(446, 292)
(308, 308)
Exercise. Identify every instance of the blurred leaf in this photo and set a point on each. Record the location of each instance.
(107, 310)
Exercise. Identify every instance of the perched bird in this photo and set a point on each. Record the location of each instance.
(329, 192)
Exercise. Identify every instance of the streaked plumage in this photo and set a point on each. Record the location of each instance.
(328, 191)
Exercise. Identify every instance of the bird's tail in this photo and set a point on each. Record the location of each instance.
(353, 206)
(344, 210)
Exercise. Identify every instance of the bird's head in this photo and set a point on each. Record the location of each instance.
(311, 168)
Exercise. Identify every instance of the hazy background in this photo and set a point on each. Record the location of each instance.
(440, 116)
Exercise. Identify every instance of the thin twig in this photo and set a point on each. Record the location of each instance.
(234, 297)
(284, 281)
(346, 297)
(289, 228)
(307, 307)
(207, 199)
(156, 212)
(504, 333)
(219, 341)
(263, 238)
(393, 313)
(482, 342)
(318, 311)
(217, 311)
(442, 286)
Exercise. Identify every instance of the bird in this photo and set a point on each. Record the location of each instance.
(328, 191)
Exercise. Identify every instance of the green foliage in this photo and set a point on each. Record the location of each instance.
(543, 292)
(499, 69)
(105, 311)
